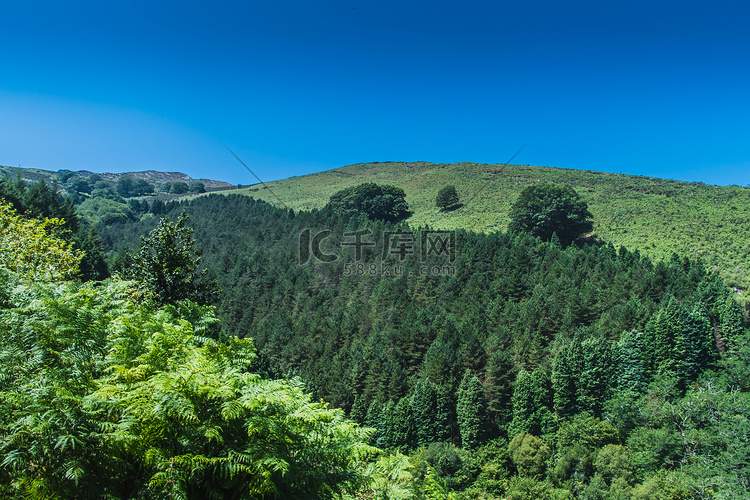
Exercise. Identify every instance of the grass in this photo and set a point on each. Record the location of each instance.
(655, 216)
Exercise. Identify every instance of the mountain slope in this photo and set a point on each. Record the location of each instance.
(655, 216)
(157, 178)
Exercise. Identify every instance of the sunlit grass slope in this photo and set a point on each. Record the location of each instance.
(656, 216)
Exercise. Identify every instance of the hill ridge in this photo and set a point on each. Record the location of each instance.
(653, 215)
(156, 176)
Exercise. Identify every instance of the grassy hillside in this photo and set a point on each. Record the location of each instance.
(655, 216)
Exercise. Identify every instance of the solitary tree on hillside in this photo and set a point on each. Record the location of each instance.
(545, 209)
(447, 198)
(378, 202)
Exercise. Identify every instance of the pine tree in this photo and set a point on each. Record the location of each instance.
(531, 412)
(732, 324)
(387, 432)
(404, 429)
(424, 407)
(662, 336)
(498, 387)
(693, 351)
(596, 377)
(566, 369)
(358, 412)
(471, 411)
(628, 358)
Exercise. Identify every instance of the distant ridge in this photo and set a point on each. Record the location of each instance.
(153, 176)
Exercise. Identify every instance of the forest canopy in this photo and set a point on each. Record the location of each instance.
(378, 202)
(512, 367)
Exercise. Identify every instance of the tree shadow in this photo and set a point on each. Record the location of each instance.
(452, 208)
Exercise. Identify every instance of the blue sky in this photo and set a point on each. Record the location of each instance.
(641, 87)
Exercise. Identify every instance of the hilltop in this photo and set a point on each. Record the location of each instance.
(151, 176)
(654, 216)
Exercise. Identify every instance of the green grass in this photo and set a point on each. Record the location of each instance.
(655, 216)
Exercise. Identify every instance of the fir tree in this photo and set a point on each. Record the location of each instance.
(498, 387)
(732, 324)
(531, 412)
(471, 411)
(628, 358)
(424, 406)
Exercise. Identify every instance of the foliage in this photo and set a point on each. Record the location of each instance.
(391, 478)
(196, 187)
(41, 202)
(378, 202)
(529, 454)
(471, 411)
(34, 250)
(127, 402)
(546, 209)
(447, 197)
(561, 340)
(128, 186)
(176, 187)
(100, 210)
(167, 266)
(531, 412)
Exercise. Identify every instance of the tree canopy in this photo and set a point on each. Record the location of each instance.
(377, 202)
(507, 376)
(447, 197)
(546, 209)
(168, 266)
(106, 397)
(34, 249)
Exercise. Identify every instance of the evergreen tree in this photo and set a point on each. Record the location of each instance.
(358, 412)
(531, 412)
(93, 267)
(372, 419)
(387, 431)
(661, 338)
(404, 428)
(694, 351)
(628, 358)
(447, 197)
(566, 369)
(471, 411)
(425, 410)
(498, 387)
(596, 377)
(732, 324)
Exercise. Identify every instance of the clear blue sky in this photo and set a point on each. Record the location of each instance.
(293, 87)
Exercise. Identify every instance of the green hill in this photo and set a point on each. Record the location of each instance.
(655, 216)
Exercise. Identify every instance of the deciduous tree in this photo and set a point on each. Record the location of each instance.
(167, 266)
(546, 209)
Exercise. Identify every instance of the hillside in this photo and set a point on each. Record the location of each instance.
(151, 176)
(655, 216)
(508, 368)
(597, 363)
